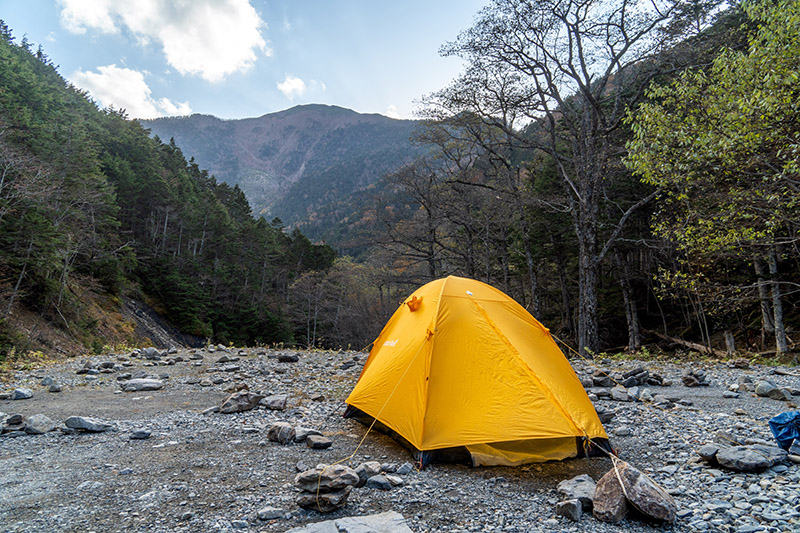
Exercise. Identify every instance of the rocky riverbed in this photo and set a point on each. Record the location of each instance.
(170, 461)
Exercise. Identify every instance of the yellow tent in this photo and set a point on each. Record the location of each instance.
(461, 366)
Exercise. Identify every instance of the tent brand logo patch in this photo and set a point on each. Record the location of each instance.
(391, 343)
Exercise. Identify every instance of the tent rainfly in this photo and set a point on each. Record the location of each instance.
(463, 372)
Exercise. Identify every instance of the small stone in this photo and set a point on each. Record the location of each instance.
(140, 434)
(366, 470)
(622, 432)
(396, 481)
(281, 432)
(619, 394)
(239, 524)
(38, 425)
(405, 468)
(326, 479)
(764, 388)
(579, 488)
(318, 442)
(239, 402)
(324, 502)
(270, 513)
(302, 433)
(151, 354)
(276, 402)
(54, 388)
(379, 482)
(134, 385)
(22, 393)
(46, 381)
(571, 509)
(288, 358)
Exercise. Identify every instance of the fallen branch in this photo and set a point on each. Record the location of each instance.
(688, 344)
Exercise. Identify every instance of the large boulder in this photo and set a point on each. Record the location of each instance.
(646, 495)
(750, 458)
(611, 498)
(610, 504)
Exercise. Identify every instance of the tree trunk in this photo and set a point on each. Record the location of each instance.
(781, 345)
(767, 323)
(730, 343)
(21, 276)
(587, 293)
(631, 313)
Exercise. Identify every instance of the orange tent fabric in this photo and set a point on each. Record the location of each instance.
(461, 364)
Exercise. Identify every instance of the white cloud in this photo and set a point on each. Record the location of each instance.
(391, 112)
(77, 16)
(126, 89)
(209, 38)
(292, 87)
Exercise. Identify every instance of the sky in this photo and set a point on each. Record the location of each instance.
(246, 58)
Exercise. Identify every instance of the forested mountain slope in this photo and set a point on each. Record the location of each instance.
(93, 208)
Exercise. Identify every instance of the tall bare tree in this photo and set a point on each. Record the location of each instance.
(570, 69)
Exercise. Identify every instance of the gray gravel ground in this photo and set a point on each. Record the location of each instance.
(214, 472)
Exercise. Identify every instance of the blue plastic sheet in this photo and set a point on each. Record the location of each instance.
(786, 428)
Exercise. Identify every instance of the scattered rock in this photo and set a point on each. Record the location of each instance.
(140, 434)
(288, 358)
(379, 482)
(695, 378)
(610, 504)
(21, 393)
(571, 509)
(753, 458)
(240, 401)
(87, 424)
(579, 488)
(281, 432)
(270, 513)
(326, 489)
(366, 470)
(302, 433)
(646, 495)
(151, 354)
(54, 388)
(405, 468)
(141, 384)
(318, 442)
(38, 425)
(276, 402)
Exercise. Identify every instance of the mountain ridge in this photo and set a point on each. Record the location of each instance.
(298, 163)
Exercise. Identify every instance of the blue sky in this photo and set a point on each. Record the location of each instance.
(245, 58)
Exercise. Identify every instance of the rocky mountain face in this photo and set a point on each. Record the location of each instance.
(303, 165)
